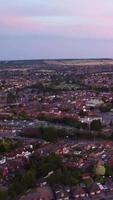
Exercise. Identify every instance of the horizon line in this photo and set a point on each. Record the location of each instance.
(41, 59)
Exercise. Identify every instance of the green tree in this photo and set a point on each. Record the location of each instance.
(28, 180)
(109, 170)
(3, 194)
(100, 170)
(23, 115)
(15, 189)
(96, 125)
(11, 98)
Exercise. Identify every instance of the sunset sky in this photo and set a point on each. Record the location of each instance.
(34, 29)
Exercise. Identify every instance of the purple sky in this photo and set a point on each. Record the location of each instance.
(56, 29)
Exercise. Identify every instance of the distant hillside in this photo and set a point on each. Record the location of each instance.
(78, 66)
(68, 62)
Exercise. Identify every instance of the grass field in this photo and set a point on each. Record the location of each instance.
(83, 62)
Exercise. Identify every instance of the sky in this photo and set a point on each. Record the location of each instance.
(48, 29)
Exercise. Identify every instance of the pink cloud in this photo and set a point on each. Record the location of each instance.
(97, 19)
(21, 24)
(17, 25)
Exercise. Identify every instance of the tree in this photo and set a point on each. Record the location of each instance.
(23, 115)
(100, 170)
(109, 170)
(96, 125)
(11, 98)
(28, 180)
(5, 146)
(3, 194)
(49, 133)
(84, 125)
(15, 189)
